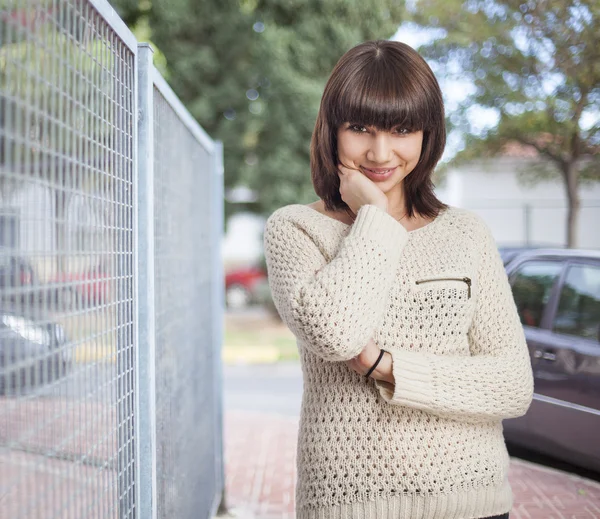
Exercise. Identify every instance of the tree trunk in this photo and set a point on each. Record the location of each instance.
(571, 177)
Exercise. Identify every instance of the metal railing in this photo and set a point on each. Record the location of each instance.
(110, 276)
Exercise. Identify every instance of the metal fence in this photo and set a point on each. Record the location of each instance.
(110, 276)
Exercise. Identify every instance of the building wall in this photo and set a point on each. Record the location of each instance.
(242, 244)
(520, 214)
(29, 221)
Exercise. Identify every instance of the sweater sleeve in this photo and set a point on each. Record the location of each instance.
(493, 383)
(333, 307)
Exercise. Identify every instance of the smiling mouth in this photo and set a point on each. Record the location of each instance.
(379, 171)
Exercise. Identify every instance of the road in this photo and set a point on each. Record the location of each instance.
(270, 388)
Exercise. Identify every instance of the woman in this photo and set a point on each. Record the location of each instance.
(411, 347)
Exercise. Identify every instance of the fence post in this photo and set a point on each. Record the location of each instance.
(126, 332)
(218, 305)
(145, 424)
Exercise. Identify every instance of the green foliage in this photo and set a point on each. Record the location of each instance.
(279, 50)
(536, 63)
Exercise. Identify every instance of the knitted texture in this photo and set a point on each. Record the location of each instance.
(438, 299)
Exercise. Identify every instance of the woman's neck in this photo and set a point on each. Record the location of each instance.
(396, 202)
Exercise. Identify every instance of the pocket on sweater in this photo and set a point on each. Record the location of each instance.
(435, 287)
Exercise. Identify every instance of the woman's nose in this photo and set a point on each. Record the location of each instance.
(380, 150)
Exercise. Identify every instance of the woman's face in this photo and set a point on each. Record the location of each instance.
(384, 157)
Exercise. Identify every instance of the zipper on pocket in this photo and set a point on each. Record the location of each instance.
(464, 280)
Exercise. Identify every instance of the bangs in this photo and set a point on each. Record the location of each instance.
(385, 85)
(380, 97)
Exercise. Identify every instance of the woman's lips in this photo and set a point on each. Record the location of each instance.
(378, 174)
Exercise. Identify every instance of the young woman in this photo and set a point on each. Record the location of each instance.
(411, 347)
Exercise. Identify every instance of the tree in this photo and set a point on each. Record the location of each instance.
(252, 73)
(536, 63)
(302, 40)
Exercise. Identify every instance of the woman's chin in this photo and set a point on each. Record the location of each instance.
(389, 184)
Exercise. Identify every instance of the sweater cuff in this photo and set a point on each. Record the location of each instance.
(376, 224)
(413, 377)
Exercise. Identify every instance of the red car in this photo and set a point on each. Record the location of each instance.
(241, 286)
(90, 287)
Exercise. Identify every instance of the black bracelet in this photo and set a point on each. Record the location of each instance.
(376, 362)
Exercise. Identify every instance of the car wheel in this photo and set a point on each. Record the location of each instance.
(237, 297)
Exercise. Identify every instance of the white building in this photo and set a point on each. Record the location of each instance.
(520, 214)
(28, 225)
(242, 244)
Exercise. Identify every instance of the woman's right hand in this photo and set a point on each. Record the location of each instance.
(357, 190)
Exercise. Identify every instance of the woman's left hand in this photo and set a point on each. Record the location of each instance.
(365, 359)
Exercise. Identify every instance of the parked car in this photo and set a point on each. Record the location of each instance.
(18, 280)
(33, 349)
(242, 285)
(557, 294)
(509, 253)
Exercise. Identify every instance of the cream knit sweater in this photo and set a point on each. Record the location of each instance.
(438, 299)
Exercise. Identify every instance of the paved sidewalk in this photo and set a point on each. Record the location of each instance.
(260, 453)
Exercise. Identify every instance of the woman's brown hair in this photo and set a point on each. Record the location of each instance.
(383, 84)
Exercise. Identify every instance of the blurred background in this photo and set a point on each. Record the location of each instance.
(143, 366)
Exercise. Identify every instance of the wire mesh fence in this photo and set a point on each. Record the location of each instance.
(185, 357)
(72, 416)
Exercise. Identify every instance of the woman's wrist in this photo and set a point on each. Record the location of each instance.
(383, 370)
(368, 357)
(386, 373)
(381, 205)
(375, 364)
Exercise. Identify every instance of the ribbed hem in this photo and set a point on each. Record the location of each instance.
(471, 504)
(377, 225)
(413, 380)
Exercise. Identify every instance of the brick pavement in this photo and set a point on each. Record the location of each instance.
(260, 453)
(58, 458)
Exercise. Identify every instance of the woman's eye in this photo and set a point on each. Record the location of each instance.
(357, 128)
(402, 131)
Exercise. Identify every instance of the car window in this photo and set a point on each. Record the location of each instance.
(532, 286)
(579, 305)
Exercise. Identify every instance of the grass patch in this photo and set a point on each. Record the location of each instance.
(267, 345)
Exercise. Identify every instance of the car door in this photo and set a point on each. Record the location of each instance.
(534, 284)
(568, 368)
